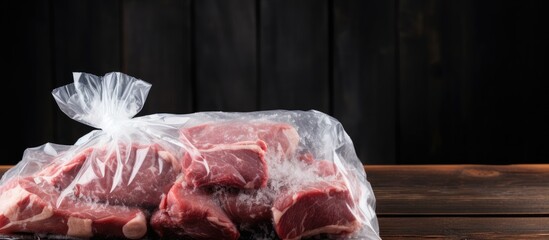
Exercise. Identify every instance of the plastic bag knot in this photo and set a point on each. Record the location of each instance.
(106, 102)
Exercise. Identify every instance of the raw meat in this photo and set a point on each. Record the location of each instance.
(134, 176)
(208, 175)
(60, 173)
(185, 212)
(246, 207)
(321, 208)
(28, 206)
(282, 139)
(322, 168)
(240, 165)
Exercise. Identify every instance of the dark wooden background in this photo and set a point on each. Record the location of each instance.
(413, 82)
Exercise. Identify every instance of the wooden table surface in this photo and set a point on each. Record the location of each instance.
(460, 201)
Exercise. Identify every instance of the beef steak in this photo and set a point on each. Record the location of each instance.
(282, 139)
(28, 206)
(135, 175)
(320, 208)
(186, 212)
(240, 165)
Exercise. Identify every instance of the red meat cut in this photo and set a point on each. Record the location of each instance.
(321, 208)
(281, 139)
(246, 207)
(61, 174)
(185, 212)
(134, 176)
(28, 206)
(240, 165)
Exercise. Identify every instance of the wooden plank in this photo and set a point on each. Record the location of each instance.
(225, 45)
(464, 227)
(364, 76)
(28, 74)
(86, 39)
(457, 190)
(4, 168)
(294, 55)
(460, 189)
(156, 45)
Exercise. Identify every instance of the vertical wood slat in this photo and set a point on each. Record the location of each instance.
(500, 124)
(418, 59)
(532, 62)
(364, 76)
(437, 87)
(225, 47)
(460, 101)
(457, 102)
(26, 99)
(294, 55)
(156, 46)
(86, 39)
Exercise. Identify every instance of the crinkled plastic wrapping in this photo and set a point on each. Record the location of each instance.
(208, 175)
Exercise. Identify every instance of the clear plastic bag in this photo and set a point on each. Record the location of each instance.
(208, 175)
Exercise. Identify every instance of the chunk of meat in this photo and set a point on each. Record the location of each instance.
(247, 207)
(282, 139)
(323, 168)
(121, 175)
(321, 208)
(240, 165)
(184, 212)
(28, 206)
(60, 173)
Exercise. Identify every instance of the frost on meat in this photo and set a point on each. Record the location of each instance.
(246, 207)
(227, 177)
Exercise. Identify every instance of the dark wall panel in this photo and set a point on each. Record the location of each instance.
(532, 60)
(294, 53)
(157, 48)
(470, 82)
(225, 48)
(420, 81)
(423, 81)
(27, 77)
(364, 76)
(86, 39)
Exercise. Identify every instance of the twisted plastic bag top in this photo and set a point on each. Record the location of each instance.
(209, 175)
(102, 102)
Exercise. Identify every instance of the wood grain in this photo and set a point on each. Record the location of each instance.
(459, 201)
(4, 168)
(460, 189)
(464, 227)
